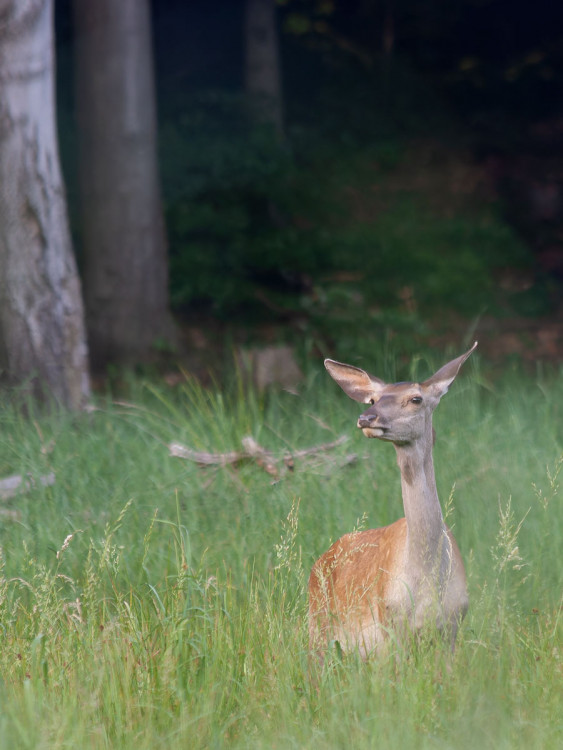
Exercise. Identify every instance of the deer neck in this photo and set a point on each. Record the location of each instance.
(425, 523)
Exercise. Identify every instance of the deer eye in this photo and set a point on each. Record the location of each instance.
(416, 400)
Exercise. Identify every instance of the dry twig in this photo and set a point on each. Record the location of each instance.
(253, 451)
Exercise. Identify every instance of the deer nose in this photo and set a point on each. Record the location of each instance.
(366, 420)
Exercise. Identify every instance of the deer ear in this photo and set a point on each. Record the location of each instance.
(439, 383)
(355, 382)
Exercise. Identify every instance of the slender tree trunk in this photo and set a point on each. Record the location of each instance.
(42, 337)
(124, 244)
(262, 70)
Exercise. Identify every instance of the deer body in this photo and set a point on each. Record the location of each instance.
(410, 574)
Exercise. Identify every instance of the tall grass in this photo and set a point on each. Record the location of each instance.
(146, 602)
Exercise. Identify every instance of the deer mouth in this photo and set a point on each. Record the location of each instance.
(373, 432)
(370, 430)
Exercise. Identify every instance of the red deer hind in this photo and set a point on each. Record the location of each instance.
(407, 575)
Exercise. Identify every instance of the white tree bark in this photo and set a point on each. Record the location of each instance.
(124, 243)
(42, 335)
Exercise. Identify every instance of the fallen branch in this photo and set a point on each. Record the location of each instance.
(205, 459)
(318, 448)
(262, 457)
(15, 484)
(253, 451)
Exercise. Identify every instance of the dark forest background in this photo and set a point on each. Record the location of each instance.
(416, 189)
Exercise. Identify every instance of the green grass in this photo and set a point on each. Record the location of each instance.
(175, 614)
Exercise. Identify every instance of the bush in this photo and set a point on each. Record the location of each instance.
(257, 227)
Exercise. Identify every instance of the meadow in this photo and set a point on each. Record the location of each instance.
(147, 601)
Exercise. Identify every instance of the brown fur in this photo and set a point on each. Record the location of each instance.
(349, 584)
(353, 589)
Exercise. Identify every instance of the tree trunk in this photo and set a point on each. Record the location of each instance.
(42, 337)
(262, 71)
(124, 244)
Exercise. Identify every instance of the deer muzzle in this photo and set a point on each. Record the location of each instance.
(368, 424)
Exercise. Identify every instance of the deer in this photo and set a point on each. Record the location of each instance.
(406, 577)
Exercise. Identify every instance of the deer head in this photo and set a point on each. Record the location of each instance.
(399, 412)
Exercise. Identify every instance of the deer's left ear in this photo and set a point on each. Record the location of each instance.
(439, 383)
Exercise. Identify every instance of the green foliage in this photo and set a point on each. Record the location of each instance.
(259, 227)
(217, 171)
(289, 242)
(146, 602)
